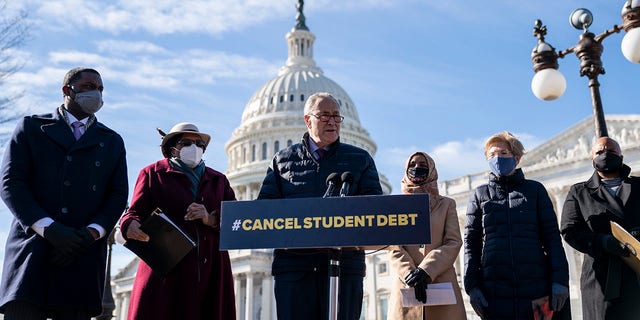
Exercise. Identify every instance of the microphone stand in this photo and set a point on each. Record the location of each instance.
(334, 258)
(334, 281)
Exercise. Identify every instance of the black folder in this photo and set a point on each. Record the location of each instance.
(167, 244)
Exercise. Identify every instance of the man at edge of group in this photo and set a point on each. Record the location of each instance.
(300, 171)
(610, 289)
(64, 178)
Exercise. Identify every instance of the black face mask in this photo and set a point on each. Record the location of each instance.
(418, 175)
(607, 162)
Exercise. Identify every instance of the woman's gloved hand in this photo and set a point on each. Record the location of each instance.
(421, 292)
(416, 276)
(559, 295)
(478, 302)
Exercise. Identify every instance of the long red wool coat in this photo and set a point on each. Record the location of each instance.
(201, 285)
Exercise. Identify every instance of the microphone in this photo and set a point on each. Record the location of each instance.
(332, 180)
(347, 179)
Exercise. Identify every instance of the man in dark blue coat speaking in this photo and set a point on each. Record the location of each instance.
(64, 178)
(300, 171)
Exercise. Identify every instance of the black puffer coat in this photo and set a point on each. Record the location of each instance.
(512, 245)
(295, 173)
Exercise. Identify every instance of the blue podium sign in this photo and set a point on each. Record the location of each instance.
(325, 222)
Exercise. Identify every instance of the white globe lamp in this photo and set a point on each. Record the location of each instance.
(548, 84)
(631, 42)
(631, 45)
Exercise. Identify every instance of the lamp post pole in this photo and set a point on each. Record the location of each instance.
(108, 304)
(589, 51)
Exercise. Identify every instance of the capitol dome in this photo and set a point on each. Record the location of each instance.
(273, 117)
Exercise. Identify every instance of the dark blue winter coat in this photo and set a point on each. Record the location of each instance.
(513, 250)
(47, 173)
(295, 173)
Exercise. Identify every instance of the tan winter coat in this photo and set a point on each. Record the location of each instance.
(436, 259)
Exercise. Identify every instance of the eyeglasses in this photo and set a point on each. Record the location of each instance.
(503, 154)
(326, 117)
(85, 87)
(188, 142)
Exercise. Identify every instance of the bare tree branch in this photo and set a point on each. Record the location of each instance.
(14, 32)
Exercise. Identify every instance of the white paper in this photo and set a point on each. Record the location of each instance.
(437, 294)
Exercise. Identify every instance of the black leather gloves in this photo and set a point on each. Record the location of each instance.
(612, 246)
(86, 237)
(416, 275)
(421, 292)
(418, 279)
(62, 237)
(559, 295)
(478, 302)
(68, 243)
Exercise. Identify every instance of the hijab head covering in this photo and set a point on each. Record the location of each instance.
(430, 186)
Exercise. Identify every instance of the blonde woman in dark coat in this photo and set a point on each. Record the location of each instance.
(430, 263)
(513, 251)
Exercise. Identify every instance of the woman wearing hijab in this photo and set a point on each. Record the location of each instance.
(514, 258)
(418, 265)
(200, 286)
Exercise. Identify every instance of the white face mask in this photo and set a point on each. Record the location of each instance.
(90, 102)
(191, 155)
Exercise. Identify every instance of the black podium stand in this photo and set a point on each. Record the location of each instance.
(335, 222)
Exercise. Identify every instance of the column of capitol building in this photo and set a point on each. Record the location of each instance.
(558, 163)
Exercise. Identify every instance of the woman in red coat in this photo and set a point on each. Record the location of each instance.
(190, 194)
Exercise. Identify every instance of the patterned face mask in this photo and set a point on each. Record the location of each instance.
(418, 175)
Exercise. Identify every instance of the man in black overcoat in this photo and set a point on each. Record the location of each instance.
(64, 179)
(610, 288)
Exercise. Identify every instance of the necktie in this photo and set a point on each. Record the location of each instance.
(321, 153)
(76, 129)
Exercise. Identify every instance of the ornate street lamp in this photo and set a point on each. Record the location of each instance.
(549, 84)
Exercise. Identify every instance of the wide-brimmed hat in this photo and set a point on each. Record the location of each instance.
(181, 128)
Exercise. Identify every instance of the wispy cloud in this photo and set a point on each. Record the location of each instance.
(153, 68)
(163, 16)
(122, 47)
(215, 17)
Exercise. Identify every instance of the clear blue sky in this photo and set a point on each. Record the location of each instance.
(437, 76)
